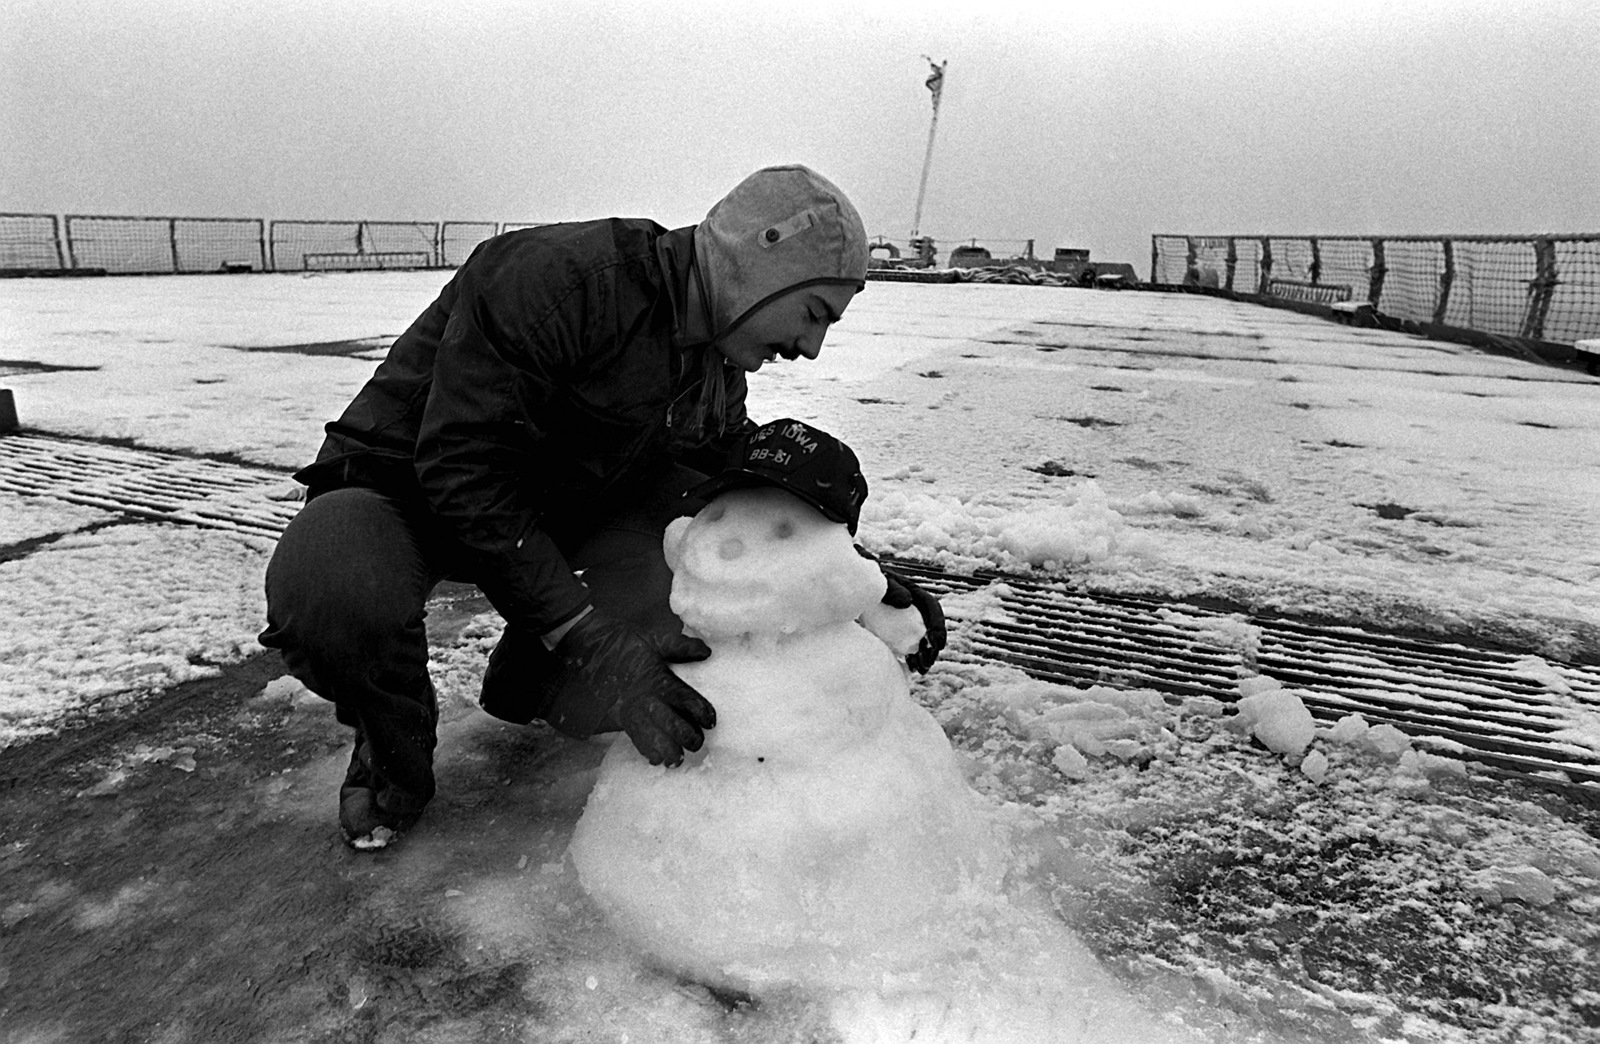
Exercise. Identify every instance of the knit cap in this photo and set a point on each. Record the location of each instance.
(781, 228)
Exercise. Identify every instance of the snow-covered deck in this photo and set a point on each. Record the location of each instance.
(1161, 445)
(1119, 456)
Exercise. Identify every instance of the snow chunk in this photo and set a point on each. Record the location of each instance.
(1386, 740)
(109, 784)
(1202, 707)
(1315, 766)
(1431, 766)
(1523, 883)
(1072, 764)
(285, 688)
(1258, 683)
(1182, 505)
(1348, 729)
(1278, 718)
(1097, 720)
(1086, 725)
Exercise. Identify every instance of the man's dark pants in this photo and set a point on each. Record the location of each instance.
(347, 590)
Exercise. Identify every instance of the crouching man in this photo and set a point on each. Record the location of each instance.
(543, 419)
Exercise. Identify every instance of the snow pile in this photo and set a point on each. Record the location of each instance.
(1279, 719)
(1097, 721)
(1079, 528)
(1137, 726)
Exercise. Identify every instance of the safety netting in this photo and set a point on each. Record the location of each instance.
(1534, 288)
(30, 242)
(150, 245)
(353, 245)
(458, 239)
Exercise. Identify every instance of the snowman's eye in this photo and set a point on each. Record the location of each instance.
(783, 530)
(730, 549)
(715, 512)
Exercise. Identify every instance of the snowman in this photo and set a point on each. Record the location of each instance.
(824, 835)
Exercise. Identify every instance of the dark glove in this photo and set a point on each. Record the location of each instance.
(903, 594)
(605, 664)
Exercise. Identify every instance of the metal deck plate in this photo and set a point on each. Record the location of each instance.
(1479, 698)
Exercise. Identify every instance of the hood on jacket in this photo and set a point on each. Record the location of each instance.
(779, 229)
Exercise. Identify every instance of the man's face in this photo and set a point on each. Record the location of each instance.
(790, 326)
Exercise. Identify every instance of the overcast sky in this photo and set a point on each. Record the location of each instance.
(1077, 124)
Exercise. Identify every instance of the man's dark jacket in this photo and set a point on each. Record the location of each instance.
(549, 375)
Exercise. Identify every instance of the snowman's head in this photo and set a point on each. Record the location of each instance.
(759, 560)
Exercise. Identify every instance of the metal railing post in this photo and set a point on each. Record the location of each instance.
(1446, 279)
(1541, 289)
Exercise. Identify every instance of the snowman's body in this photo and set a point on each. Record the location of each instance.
(825, 831)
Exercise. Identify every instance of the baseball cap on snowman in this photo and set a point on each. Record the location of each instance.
(780, 229)
(806, 461)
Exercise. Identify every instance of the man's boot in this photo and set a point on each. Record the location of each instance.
(390, 778)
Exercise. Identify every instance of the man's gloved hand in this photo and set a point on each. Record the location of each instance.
(903, 594)
(605, 663)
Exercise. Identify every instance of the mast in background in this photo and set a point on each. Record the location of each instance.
(935, 83)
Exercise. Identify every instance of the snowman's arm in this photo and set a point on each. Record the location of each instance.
(900, 629)
(909, 619)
